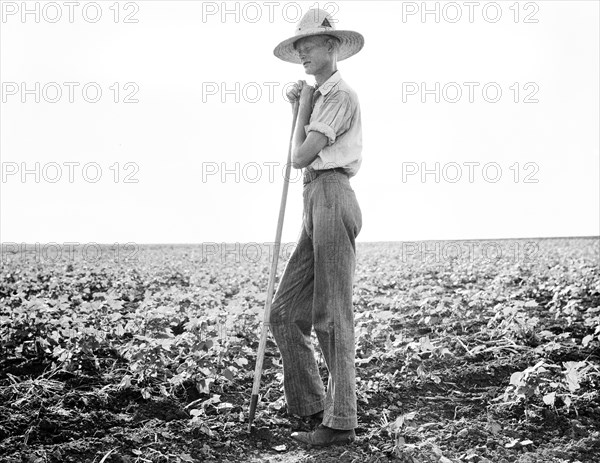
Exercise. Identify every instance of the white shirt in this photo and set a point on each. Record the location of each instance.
(336, 114)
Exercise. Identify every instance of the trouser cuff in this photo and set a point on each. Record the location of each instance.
(340, 422)
(307, 409)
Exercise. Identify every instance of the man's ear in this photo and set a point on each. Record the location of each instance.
(332, 45)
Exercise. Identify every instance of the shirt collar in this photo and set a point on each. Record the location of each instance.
(330, 83)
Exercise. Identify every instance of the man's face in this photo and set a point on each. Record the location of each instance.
(313, 52)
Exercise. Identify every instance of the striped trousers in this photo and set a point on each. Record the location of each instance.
(315, 291)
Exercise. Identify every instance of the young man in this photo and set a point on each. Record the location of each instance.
(316, 286)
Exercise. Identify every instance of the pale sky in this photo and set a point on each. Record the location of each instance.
(185, 64)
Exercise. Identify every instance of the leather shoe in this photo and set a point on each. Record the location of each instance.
(324, 436)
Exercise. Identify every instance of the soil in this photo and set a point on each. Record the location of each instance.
(447, 406)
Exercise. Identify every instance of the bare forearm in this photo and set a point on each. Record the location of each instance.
(303, 118)
(304, 112)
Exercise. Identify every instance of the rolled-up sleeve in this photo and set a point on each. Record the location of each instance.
(334, 117)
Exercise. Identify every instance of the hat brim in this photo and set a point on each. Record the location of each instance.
(350, 44)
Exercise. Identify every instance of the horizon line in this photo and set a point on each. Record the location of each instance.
(2, 243)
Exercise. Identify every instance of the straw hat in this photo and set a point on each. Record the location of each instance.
(318, 22)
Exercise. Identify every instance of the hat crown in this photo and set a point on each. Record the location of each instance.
(313, 20)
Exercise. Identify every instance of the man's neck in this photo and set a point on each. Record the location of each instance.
(322, 77)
